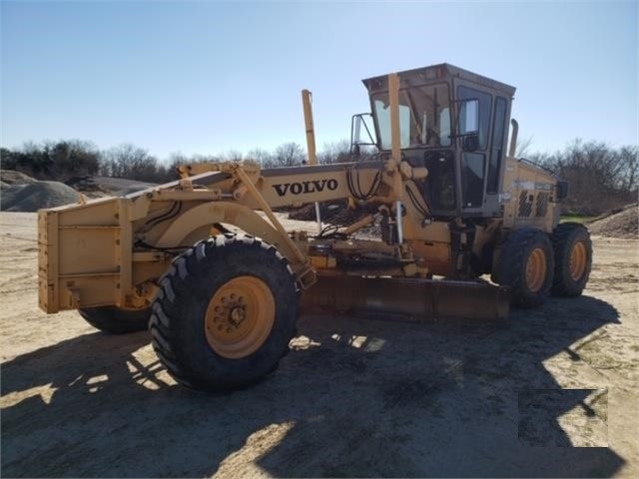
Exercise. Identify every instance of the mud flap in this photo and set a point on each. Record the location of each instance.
(415, 298)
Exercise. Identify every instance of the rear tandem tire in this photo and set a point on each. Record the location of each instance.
(526, 265)
(573, 259)
(225, 314)
(111, 319)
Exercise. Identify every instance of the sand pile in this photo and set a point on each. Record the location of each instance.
(34, 196)
(623, 224)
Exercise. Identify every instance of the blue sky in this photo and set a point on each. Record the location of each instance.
(209, 77)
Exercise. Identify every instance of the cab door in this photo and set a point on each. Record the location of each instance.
(481, 159)
(474, 115)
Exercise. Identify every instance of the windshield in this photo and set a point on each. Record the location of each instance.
(424, 117)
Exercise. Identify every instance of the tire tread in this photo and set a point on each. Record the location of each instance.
(561, 239)
(165, 308)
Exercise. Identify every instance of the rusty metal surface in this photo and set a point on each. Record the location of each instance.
(415, 298)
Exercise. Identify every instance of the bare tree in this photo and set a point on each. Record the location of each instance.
(523, 147)
(600, 178)
(629, 159)
(288, 154)
(132, 162)
(233, 155)
(263, 157)
(336, 152)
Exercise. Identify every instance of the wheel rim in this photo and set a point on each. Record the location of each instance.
(536, 270)
(577, 262)
(239, 317)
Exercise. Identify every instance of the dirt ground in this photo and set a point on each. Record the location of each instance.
(356, 396)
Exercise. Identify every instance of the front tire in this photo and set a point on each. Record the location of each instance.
(225, 314)
(573, 259)
(113, 320)
(526, 265)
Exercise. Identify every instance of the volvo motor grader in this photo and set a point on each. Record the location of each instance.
(208, 267)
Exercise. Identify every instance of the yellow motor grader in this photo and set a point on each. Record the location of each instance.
(207, 266)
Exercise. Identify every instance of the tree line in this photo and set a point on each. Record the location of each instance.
(66, 159)
(600, 177)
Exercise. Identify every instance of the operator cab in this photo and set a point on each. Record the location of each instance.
(453, 122)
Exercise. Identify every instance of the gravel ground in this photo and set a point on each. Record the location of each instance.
(552, 394)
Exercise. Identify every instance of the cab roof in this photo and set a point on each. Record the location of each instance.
(443, 72)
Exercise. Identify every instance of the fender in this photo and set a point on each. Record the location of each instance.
(203, 216)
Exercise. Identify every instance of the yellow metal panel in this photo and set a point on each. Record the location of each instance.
(193, 195)
(93, 213)
(230, 213)
(308, 188)
(124, 253)
(393, 97)
(87, 251)
(88, 291)
(139, 207)
(48, 261)
(310, 129)
(436, 256)
(435, 231)
(299, 257)
(510, 192)
(522, 177)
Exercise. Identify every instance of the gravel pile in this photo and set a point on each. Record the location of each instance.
(87, 186)
(624, 224)
(120, 186)
(34, 196)
(11, 177)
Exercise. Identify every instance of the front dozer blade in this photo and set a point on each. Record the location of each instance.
(419, 299)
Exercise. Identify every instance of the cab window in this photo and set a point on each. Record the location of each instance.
(382, 111)
(424, 117)
(472, 179)
(497, 153)
(476, 114)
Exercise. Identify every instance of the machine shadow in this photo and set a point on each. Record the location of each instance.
(442, 400)
(356, 397)
(102, 406)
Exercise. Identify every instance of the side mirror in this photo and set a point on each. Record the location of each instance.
(359, 129)
(356, 138)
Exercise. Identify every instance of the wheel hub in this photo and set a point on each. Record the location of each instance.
(536, 270)
(238, 314)
(577, 261)
(239, 317)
